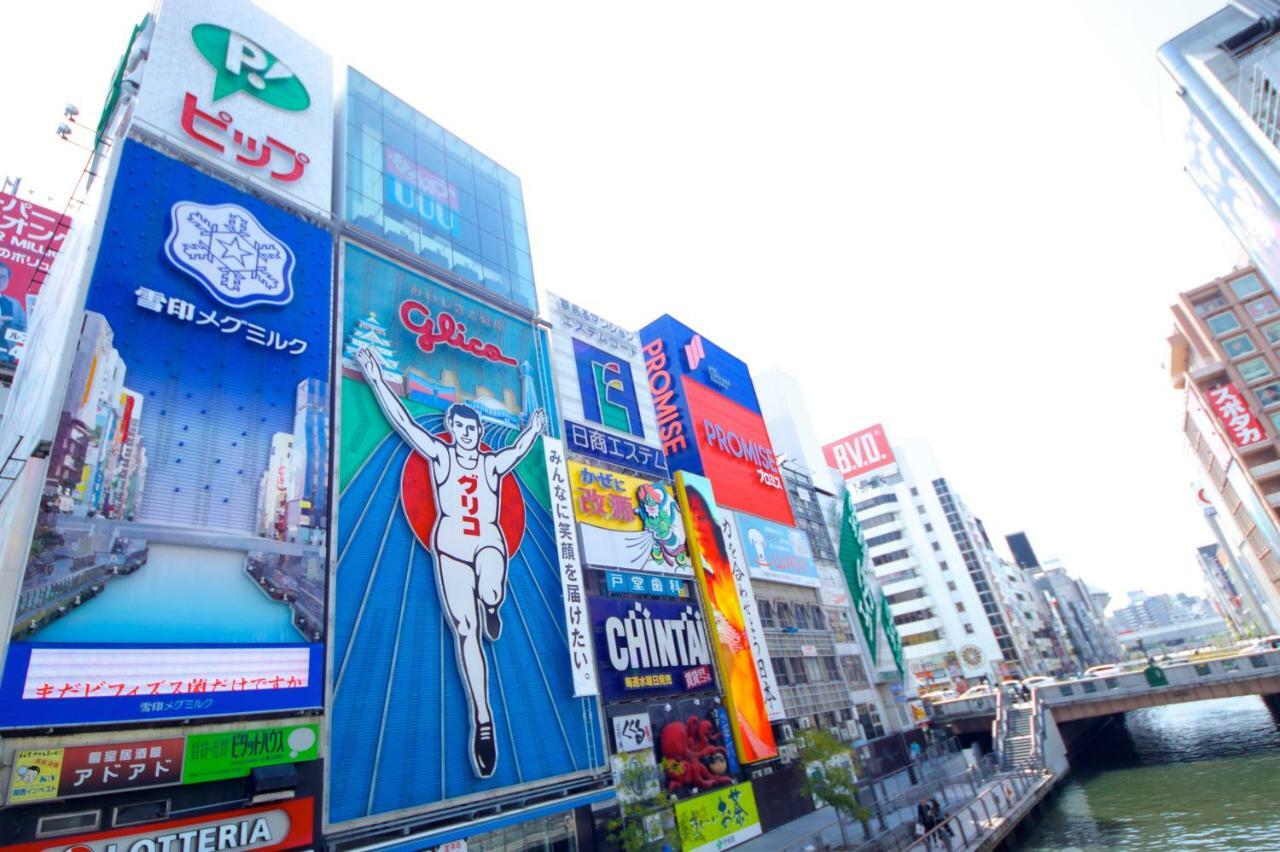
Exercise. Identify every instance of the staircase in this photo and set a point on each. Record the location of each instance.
(1019, 739)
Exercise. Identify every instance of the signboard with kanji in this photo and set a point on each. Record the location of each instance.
(718, 820)
(461, 632)
(650, 647)
(30, 237)
(177, 568)
(234, 754)
(628, 523)
(86, 770)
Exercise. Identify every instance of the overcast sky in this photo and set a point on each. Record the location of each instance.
(966, 220)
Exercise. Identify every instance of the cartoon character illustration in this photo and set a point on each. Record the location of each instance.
(689, 751)
(757, 544)
(469, 545)
(660, 515)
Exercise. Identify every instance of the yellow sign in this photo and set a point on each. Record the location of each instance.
(35, 775)
(718, 820)
(605, 499)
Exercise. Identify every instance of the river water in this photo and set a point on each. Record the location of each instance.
(1201, 775)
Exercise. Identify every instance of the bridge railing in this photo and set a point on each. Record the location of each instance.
(1191, 673)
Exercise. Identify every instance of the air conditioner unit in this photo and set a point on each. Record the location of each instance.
(805, 723)
(854, 731)
(788, 733)
(788, 753)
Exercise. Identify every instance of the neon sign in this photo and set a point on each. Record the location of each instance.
(670, 426)
(446, 330)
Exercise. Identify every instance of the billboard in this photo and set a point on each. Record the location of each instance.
(604, 397)
(628, 523)
(229, 83)
(868, 601)
(30, 236)
(452, 671)
(280, 825)
(693, 743)
(718, 820)
(709, 420)
(859, 453)
(743, 694)
(650, 647)
(777, 553)
(1242, 426)
(178, 563)
(751, 624)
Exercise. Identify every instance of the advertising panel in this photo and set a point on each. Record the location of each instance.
(30, 236)
(627, 583)
(1233, 410)
(718, 820)
(229, 83)
(604, 397)
(743, 695)
(751, 620)
(709, 419)
(868, 601)
(178, 563)
(859, 453)
(280, 825)
(632, 732)
(777, 553)
(650, 647)
(693, 741)
(452, 674)
(628, 523)
(235, 754)
(572, 581)
(86, 770)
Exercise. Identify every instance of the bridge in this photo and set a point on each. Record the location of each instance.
(1243, 673)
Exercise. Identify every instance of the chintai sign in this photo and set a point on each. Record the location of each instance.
(650, 647)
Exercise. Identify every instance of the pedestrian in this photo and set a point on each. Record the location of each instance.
(940, 818)
(925, 820)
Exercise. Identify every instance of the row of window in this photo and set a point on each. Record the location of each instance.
(1244, 287)
(910, 617)
(794, 671)
(784, 614)
(884, 539)
(903, 597)
(880, 520)
(891, 556)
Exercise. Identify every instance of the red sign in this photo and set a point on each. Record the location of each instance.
(30, 236)
(737, 455)
(860, 452)
(121, 766)
(1230, 406)
(280, 825)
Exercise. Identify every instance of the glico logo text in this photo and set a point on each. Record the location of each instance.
(670, 426)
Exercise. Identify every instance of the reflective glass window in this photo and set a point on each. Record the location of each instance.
(1237, 346)
(1254, 369)
(1223, 323)
(1246, 285)
(1263, 308)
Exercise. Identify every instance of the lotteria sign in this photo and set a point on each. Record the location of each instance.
(229, 83)
(709, 419)
(284, 825)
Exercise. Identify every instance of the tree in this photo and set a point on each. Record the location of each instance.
(644, 824)
(830, 776)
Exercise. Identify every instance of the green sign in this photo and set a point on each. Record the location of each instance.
(234, 754)
(872, 608)
(891, 634)
(242, 66)
(718, 820)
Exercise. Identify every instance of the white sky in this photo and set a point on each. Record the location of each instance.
(966, 220)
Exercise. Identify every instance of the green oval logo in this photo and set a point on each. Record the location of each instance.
(241, 65)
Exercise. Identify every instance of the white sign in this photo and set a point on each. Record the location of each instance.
(633, 732)
(260, 830)
(635, 776)
(65, 674)
(229, 253)
(227, 82)
(577, 625)
(751, 621)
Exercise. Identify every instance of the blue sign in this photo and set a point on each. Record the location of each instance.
(777, 553)
(631, 583)
(649, 647)
(187, 484)
(599, 444)
(608, 390)
(690, 354)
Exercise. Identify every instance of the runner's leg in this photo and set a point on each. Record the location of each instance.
(491, 579)
(458, 587)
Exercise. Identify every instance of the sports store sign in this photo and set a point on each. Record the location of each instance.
(229, 83)
(709, 419)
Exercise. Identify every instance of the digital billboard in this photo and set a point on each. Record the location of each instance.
(231, 84)
(452, 672)
(777, 553)
(743, 694)
(709, 420)
(628, 523)
(30, 236)
(604, 396)
(178, 563)
(859, 453)
(650, 647)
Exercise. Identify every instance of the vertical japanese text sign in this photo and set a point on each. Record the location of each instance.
(581, 652)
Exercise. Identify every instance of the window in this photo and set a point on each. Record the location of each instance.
(878, 520)
(1210, 303)
(766, 614)
(812, 669)
(832, 667)
(875, 501)
(910, 574)
(937, 546)
(802, 616)
(903, 597)
(1275, 421)
(1272, 333)
(1268, 394)
(920, 509)
(915, 492)
(928, 527)
(1246, 285)
(884, 539)
(798, 672)
(951, 585)
(968, 628)
(959, 607)
(886, 558)
(784, 615)
(1254, 369)
(58, 824)
(1263, 308)
(780, 670)
(819, 618)
(921, 638)
(1237, 346)
(1223, 323)
(943, 566)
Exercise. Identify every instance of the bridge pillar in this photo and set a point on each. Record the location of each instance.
(1273, 703)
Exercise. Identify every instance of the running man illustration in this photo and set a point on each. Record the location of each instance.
(468, 543)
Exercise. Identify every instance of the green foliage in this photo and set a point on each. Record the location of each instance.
(647, 821)
(829, 772)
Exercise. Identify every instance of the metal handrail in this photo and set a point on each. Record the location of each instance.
(994, 802)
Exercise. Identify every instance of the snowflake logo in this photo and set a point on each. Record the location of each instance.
(225, 248)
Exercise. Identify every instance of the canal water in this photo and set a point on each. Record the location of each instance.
(182, 595)
(1187, 776)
